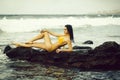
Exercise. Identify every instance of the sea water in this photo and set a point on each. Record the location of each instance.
(21, 28)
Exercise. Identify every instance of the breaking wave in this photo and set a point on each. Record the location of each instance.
(28, 25)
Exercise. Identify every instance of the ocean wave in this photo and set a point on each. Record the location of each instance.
(28, 25)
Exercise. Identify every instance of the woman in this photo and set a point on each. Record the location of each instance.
(65, 39)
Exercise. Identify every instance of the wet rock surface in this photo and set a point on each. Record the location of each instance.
(88, 42)
(105, 57)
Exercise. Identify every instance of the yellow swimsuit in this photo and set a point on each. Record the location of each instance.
(61, 39)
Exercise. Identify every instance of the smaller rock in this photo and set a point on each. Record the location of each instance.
(88, 42)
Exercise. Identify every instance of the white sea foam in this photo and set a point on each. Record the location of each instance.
(27, 25)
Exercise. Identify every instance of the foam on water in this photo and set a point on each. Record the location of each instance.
(29, 24)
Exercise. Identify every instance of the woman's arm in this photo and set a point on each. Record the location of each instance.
(69, 49)
(52, 33)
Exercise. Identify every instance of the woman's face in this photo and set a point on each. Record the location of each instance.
(65, 30)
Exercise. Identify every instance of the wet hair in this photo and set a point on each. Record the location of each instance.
(70, 31)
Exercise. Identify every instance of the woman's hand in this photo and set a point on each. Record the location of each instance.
(58, 50)
(44, 30)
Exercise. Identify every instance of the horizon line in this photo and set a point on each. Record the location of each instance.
(56, 14)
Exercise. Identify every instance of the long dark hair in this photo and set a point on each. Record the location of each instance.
(70, 31)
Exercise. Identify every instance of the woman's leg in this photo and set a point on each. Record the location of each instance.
(37, 45)
(47, 45)
(47, 41)
(39, 36)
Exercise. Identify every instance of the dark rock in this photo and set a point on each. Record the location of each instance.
(7, 48)
(105, 56)
(88, 42)
(110, 46)
(82, 47)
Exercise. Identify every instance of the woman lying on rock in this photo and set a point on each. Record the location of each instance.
(65, 39)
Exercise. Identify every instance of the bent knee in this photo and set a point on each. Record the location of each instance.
(45, 33)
